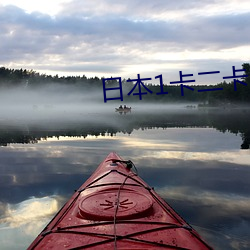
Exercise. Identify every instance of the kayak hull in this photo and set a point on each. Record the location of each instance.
(116, 209)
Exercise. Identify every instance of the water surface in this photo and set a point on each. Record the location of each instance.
(193, 158)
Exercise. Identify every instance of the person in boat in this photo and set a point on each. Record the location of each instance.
(120, 107)
(125, 106)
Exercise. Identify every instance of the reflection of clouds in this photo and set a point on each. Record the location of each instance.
(146, 144)
(237, 156)
(176, 143)
(22, 222)
(152, 139)
(228, 203)
(185, 139)
(222, 219)
(29, 212)
(228, 239)
(74, 139)
(2, 209)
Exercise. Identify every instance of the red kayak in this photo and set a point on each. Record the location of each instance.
(116, 209)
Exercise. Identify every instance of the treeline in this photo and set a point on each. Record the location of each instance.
(32, 79)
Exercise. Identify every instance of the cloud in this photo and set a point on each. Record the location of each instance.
(140, 10)
(106, 37)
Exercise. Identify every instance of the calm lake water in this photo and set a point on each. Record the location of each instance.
(197, 160)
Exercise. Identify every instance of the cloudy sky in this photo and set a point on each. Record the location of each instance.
(126, 38)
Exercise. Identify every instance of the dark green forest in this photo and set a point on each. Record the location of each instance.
(230, 94)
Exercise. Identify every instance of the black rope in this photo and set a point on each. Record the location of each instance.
(129, 164)
(119, 222)
(129, 237)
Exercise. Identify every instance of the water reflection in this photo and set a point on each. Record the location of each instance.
(31, 210)
(21, 221)
(200, 171)
(110, 123)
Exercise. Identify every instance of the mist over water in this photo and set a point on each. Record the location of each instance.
(57, 103)
(51, 102)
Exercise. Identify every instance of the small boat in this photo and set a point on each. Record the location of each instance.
(121, 110)
(116, 209)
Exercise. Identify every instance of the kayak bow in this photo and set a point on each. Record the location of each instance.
(116, 209)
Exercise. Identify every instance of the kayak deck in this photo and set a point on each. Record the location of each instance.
(116, 209)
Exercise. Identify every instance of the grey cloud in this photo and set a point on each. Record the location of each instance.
(99, 68)
(222, 31)
(141, 8)
(198, 31)
(86, 38)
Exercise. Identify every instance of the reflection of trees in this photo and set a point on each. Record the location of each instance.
(16, 137)
(246, 141)
(222, 120)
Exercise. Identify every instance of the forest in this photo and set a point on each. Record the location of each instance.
(223, 93)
